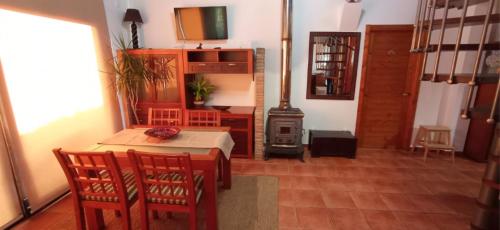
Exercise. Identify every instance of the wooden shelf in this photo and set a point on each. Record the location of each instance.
(330, 69)
(482, 112)
(331, 77)
(324, 53)
(221, 61)
(471, 20)
(465, 78)
(457, 3)
(451, 47)
(331, 61)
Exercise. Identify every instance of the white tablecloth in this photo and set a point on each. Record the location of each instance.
(185, 139)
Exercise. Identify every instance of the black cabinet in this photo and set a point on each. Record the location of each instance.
(332, 143)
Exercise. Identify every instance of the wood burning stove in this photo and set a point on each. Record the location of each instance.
(284, 133)
(284, 123)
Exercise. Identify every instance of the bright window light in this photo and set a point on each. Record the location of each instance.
(50, 68)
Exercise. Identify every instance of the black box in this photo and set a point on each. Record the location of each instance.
(332, 143)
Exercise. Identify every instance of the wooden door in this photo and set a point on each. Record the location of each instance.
(389, 87)
(480, 134)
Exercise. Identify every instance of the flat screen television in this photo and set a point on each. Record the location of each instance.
(201, 23)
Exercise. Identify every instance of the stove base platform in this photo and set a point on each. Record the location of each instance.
(297, 152)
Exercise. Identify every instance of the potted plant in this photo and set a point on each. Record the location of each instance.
(201, 89)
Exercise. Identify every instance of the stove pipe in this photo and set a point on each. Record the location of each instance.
(286, 53)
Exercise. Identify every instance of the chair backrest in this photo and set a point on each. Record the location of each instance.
(203, 118)
(164, 177)
(93, 175)
(165, 116)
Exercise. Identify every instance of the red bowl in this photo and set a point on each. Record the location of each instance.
(162, 132)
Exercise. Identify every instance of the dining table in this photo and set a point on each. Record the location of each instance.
(205, 157)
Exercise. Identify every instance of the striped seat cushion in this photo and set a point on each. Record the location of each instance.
(176, 191)
(111, 196)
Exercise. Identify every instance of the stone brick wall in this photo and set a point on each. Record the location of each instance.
(259, 101)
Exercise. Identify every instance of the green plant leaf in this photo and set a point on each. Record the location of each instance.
(201, 89)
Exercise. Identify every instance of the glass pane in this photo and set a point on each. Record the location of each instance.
(162, 67)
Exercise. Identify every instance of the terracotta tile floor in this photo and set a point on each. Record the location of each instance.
(380, 189)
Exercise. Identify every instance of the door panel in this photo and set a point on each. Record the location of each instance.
(384, 100)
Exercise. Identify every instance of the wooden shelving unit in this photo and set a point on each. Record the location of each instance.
(186, 64)
(224, 61)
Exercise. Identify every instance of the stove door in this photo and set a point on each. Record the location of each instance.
(286, 131)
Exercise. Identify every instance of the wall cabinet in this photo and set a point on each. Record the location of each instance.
(221, 61)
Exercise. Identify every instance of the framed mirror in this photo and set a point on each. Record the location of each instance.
(333, 62)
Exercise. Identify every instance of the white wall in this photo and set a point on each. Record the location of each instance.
(257, 23)
(232, 89)
(115, 11)
(320, 16)
(251, 24)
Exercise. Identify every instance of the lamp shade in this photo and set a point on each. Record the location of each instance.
(132, 15)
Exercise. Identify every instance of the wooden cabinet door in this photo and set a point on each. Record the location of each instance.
(171, 94)
(480, 134)
(241, 132)
(387, 88)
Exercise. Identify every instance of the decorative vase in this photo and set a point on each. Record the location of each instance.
(198, 103)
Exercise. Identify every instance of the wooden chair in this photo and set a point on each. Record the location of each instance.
(96, 182)
(165, 116)
(203, 118)
(166, 183)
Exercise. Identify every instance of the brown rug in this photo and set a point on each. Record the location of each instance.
(251, 203)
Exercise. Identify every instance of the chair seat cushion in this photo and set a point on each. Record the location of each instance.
(111, 195)
(175, 193)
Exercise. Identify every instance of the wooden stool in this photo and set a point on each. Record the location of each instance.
(434, 138)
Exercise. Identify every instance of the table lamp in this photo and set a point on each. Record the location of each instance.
(133, 15)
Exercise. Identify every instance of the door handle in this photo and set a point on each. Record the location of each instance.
(405, 94)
